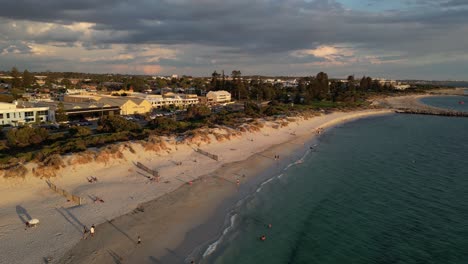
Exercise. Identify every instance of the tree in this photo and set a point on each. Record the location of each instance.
(16, 83)
(351, 84)
(215, 81)
(323, 86)
(236, 75)
(60, 115)
(365, 84)
(28, 79)
(66, 82)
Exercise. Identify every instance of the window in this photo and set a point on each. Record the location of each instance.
(8, 115)
(42, 112)
(26, 114)
(1, 116)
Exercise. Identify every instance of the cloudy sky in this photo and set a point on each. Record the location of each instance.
(417, 39)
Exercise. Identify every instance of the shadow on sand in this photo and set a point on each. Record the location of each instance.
(23, 214)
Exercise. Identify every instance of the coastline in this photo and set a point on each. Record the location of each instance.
(173, 227)
(171, 210)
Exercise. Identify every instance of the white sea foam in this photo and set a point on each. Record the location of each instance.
(265, 182)
(211, 248)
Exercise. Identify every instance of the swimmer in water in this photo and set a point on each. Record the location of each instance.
(263, 238)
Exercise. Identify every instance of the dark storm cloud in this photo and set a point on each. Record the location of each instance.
(242, 32)
(243, 25)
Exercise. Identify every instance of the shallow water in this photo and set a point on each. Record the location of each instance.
(390, 189)
(448, 102)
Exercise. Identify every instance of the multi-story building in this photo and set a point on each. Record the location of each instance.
(170, 99)
(218, 97)
(14, 114)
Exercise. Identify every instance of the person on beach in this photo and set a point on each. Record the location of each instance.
(91, 230)
(139, 240)
(85, 232)
(238, 182)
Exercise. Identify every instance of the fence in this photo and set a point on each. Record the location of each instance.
(209, 155)
(64, 193)
(155, 173)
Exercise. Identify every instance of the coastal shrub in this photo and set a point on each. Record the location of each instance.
(154, 143)
(26, 136)
(167, 126)
(252, 109)
(197, 112)
(276, 109)
(109, 153)
(18, 171)
(111, 124)
(82, 158)
(49, 167)
(79, 131)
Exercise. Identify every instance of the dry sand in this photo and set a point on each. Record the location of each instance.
(164, 223)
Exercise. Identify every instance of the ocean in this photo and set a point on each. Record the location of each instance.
(389, 189)
(458, 103)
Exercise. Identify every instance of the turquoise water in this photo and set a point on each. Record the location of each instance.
(390, 189)
(448, 102)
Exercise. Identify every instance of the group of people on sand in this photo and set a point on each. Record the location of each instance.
(92, 179)
(154, 179)
(90, 231)
(276, 157)
(97, 199)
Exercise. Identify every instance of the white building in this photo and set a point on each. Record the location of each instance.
(13, 114)
(218, 97)
(169, 99)
(401, 86)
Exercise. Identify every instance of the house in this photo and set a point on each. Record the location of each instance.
(14, 114)
(218, 97)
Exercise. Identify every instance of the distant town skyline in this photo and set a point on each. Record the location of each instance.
(401, 39)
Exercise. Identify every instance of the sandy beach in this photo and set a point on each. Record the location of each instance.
(167, 212)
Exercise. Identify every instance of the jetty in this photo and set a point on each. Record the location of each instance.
(432, 112)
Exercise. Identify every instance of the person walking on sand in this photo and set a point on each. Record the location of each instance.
(139, 240)
(91, 230)
(85, 232)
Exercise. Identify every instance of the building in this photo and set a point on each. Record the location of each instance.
(401, 86)
(80, 98)
(218, 97)
(169, 100)
(128, 106)
(78, 110)
(14, 114)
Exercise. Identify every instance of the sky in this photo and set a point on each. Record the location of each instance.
(398, 39)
